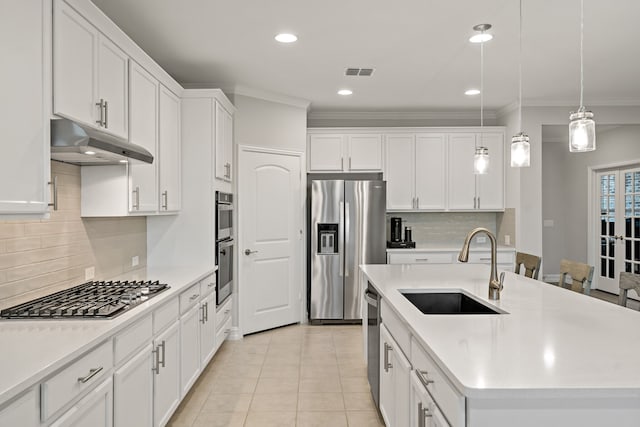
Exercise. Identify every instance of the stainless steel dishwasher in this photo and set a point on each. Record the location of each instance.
(373, 341)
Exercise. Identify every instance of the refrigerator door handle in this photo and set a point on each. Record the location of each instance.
(341, 234)
(346, 234)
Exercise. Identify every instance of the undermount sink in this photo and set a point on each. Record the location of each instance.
(446, 303)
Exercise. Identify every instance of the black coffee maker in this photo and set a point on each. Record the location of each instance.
(396, 229)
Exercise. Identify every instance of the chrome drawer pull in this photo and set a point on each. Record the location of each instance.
(156, 368)
(194, 296)
(387, 364)
(422, 259)
(422, 376)
(92, 373)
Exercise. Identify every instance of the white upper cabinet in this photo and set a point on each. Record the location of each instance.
(224, 143)
(430, 170)
(143, 108)
(344, 152)
(25, 107)
(400, 171)
(90, 74)
(169, 151)
(468, 191)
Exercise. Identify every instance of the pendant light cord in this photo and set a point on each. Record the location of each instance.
(482, 84)
(581, 52)
(520, 72)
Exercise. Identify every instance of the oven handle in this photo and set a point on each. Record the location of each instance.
(371, 298)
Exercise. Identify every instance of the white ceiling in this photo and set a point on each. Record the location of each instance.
(419, 48)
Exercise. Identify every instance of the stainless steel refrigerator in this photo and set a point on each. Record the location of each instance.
(347, 228)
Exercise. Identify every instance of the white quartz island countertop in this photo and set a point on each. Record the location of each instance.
(33, 349)
(553, 342)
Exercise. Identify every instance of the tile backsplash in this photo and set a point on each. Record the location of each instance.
(444, 228)
(38, 257)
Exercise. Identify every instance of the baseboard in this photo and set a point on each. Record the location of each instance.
(235, 334)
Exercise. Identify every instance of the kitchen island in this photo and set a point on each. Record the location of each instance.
(553, 357)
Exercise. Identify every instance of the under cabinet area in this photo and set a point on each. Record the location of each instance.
(344, 152)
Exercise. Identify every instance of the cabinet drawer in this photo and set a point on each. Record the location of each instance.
(450, 402)
(485, 257)
(223, 313)
(223, 332)
(395, 326)
(421, 258)
(208, 285)
(132, 338)
(189, 298)
(165, 315)
(81, 375)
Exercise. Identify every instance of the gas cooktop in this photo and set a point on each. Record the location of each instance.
(90, 300)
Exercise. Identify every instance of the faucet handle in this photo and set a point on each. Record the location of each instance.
(501, 280)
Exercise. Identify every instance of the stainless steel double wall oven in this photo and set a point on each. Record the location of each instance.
(224, 246)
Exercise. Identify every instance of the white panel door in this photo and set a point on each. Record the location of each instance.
(133, 391)
(490, 191)
(95, 410)
(113, 87)
(208, 330)
(430, 167)
(75, 43)
(23, 412)
(387, 387)
(462, 180)
(364, 153)
(190, 347)
(25, 107)
(271, 245)
(169, 151)
(400, 171)
(325, 153)
(166, 385)
(143, 131)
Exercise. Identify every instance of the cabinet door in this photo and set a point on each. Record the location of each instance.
(423, 411)
(75, 43)
(491, 185)
(143, 128)
(430, 161)
(190, 346)
(113, 87)
(401, 387)
(224, 138)
(133, 391)
(24, 412)
(387, 386)
(169, 151)
(364, 153)
(25, 107)
(94, 410)
(326, 153)
(462, 180)
(400, 172)
(166, 383)
(208, 330)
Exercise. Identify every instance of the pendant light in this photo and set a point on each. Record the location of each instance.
(520, 147)
(481, 156)
(582, 128)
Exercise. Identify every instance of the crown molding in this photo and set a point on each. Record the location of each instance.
(399, 115)
(592, 103)
(270, 96)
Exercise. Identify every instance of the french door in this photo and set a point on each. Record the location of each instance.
(618, 226)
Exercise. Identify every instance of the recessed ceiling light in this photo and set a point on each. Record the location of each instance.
(91, 153)
(481, 37)
(286, 38)
(345, 92)
(472, 92)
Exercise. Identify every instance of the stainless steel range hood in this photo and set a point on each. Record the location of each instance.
(81, 145)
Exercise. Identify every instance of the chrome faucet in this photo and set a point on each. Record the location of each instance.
(495, 285)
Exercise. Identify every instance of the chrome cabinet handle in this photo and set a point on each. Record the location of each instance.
(211, 284)
(136, 197)
(474, 202)
(106, 114)
(485, 259)
(165, 198)
(422, 376)
(92, 373)
(387, 364)
(422, 259)
(423, 414)
(342, 163)
(202, 314)
(101, 105)
(349, 162)
(156, 352)
(193, 297)
(249, 252)
(206, 311)
(54, 184)
(162, 344)
(478, 202)
(417, 202)
(227, 311)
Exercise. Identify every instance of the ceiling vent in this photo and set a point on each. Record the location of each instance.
(362, 72)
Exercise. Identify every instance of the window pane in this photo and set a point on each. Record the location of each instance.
(627, 249)
(627, 227)
(636, 204)
(604, 187)
(636, 227)
(612, 204)
(636, 268)
(636, 249)
(627, 206)
(612, 270)
(612, 226)
(603, 205)
(627, 267)
(612, 184)
(628, 182)
(636, 179)
(612, 247)
(603, 247)
(603, 267)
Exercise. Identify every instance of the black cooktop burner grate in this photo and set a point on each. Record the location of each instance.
(89, 300)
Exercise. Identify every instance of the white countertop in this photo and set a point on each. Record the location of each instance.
(436, 247)
(33, 349)
(551, 341)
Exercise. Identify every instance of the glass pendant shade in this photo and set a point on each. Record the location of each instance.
(520, 151)
(582, 131)
(481, 161)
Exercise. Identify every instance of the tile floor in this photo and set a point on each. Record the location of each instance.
(298, 375)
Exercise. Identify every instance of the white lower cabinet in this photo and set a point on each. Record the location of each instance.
(190, 347)
(21, 412)
(395, 371)
(94, 410)
(133, 391)
(208, 329)
(166, 381)
(424, 411)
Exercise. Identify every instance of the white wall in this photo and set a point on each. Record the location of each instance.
(267, 124)
(565, 190)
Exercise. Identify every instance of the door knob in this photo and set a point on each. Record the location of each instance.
(249, 252)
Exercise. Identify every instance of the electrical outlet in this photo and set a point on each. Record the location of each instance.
(135, 261)
(507, 239)
(89, 273)
(481, 239)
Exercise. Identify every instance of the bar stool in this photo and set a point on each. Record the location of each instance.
(627, 281)
(531, 264)
(581, 276)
